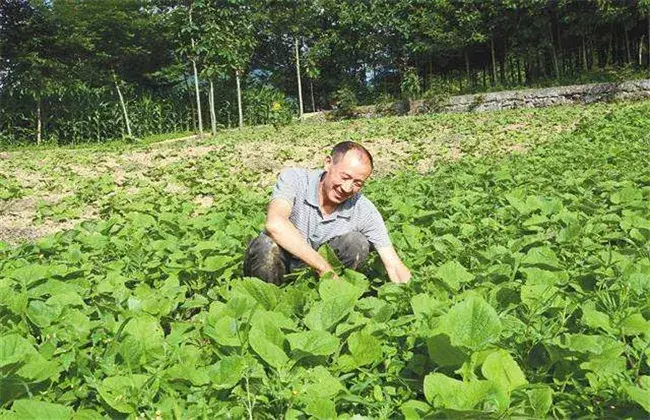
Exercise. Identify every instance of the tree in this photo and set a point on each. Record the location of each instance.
(31, 70)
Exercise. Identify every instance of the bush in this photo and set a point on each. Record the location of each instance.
(346, 102)
(265, 104)
(410, 86)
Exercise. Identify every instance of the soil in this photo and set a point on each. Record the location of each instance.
(133, 169)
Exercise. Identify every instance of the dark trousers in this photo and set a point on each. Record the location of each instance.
(266, 260)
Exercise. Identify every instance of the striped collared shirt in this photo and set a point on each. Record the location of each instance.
(299, 186)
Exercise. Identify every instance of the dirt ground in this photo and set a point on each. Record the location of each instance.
(50, 178)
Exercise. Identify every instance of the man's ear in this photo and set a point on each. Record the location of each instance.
(328, 163)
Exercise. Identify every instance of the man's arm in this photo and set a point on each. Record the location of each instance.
(284, 233)
(397, 271)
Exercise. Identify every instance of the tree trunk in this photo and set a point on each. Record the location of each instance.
(641, 51)
(239, 107)
(627, 47)
(313, 103)
(300, 107)
(560, 49)
(584, 53)
(467, 70)
(126, 114)
(198, 96)
(213, 113)
(485, 70)
(502, 69)
(189, 96)
(648, 39)
(556, 67)
(196, 81)
(494, 62)
(39, 122)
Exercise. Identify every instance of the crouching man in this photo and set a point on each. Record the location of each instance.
(309, 208)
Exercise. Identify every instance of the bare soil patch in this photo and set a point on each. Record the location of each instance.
(264, 157)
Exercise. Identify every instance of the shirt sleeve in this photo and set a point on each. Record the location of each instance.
(372, 225)
(287, 185)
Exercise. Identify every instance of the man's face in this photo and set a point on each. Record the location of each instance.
(345, 177)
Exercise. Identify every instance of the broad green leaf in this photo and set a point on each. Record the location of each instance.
(364, 348)
(626, 195)
(265, 294)
(37, 410)
(541, 399)
(216, 263)
(326, 314)
(52, 287)
(227, 372)
(328, 253)
(31, 273)
(278, 319)
(321, 408)
(635, 324)
(593, 318)
(144, 328)
(517, 199)
(268, 342)
(65, 299)
(38, 369)
(425, 304)
(315, 343)
(444, 392)
(472, 323)
(639, 282)
(539, 291)
(322, 384)
(14, 349)
(584, 343)
(414, 409)
(443, 353)
(331, 288)
(610, 362)
(224, 331)
(141, 220)
(639, 396)
(143, 340)
(453, 274)
(501, 368)
(18, 355)
(542, 257)
(42, 314)
(120, 392)
(187, 372)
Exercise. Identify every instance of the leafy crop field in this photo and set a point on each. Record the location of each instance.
(528, 233)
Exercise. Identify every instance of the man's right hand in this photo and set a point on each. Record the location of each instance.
(284, 233)
(327, 271)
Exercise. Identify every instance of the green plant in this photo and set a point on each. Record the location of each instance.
(410, 85)
(529, 296)
(346, 102)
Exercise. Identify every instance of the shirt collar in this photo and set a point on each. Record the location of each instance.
(343, 210)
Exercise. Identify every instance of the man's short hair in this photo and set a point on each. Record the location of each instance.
(345, 146)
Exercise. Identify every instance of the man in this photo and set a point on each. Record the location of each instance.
(310, 208)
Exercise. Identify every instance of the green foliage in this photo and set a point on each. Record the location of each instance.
(529, 297)
(265, 104)
(346, 102)
(410, 85)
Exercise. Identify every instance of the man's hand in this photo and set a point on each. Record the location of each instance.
(401, 274)
(397, 271)
(330, 272)
(284, 233)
